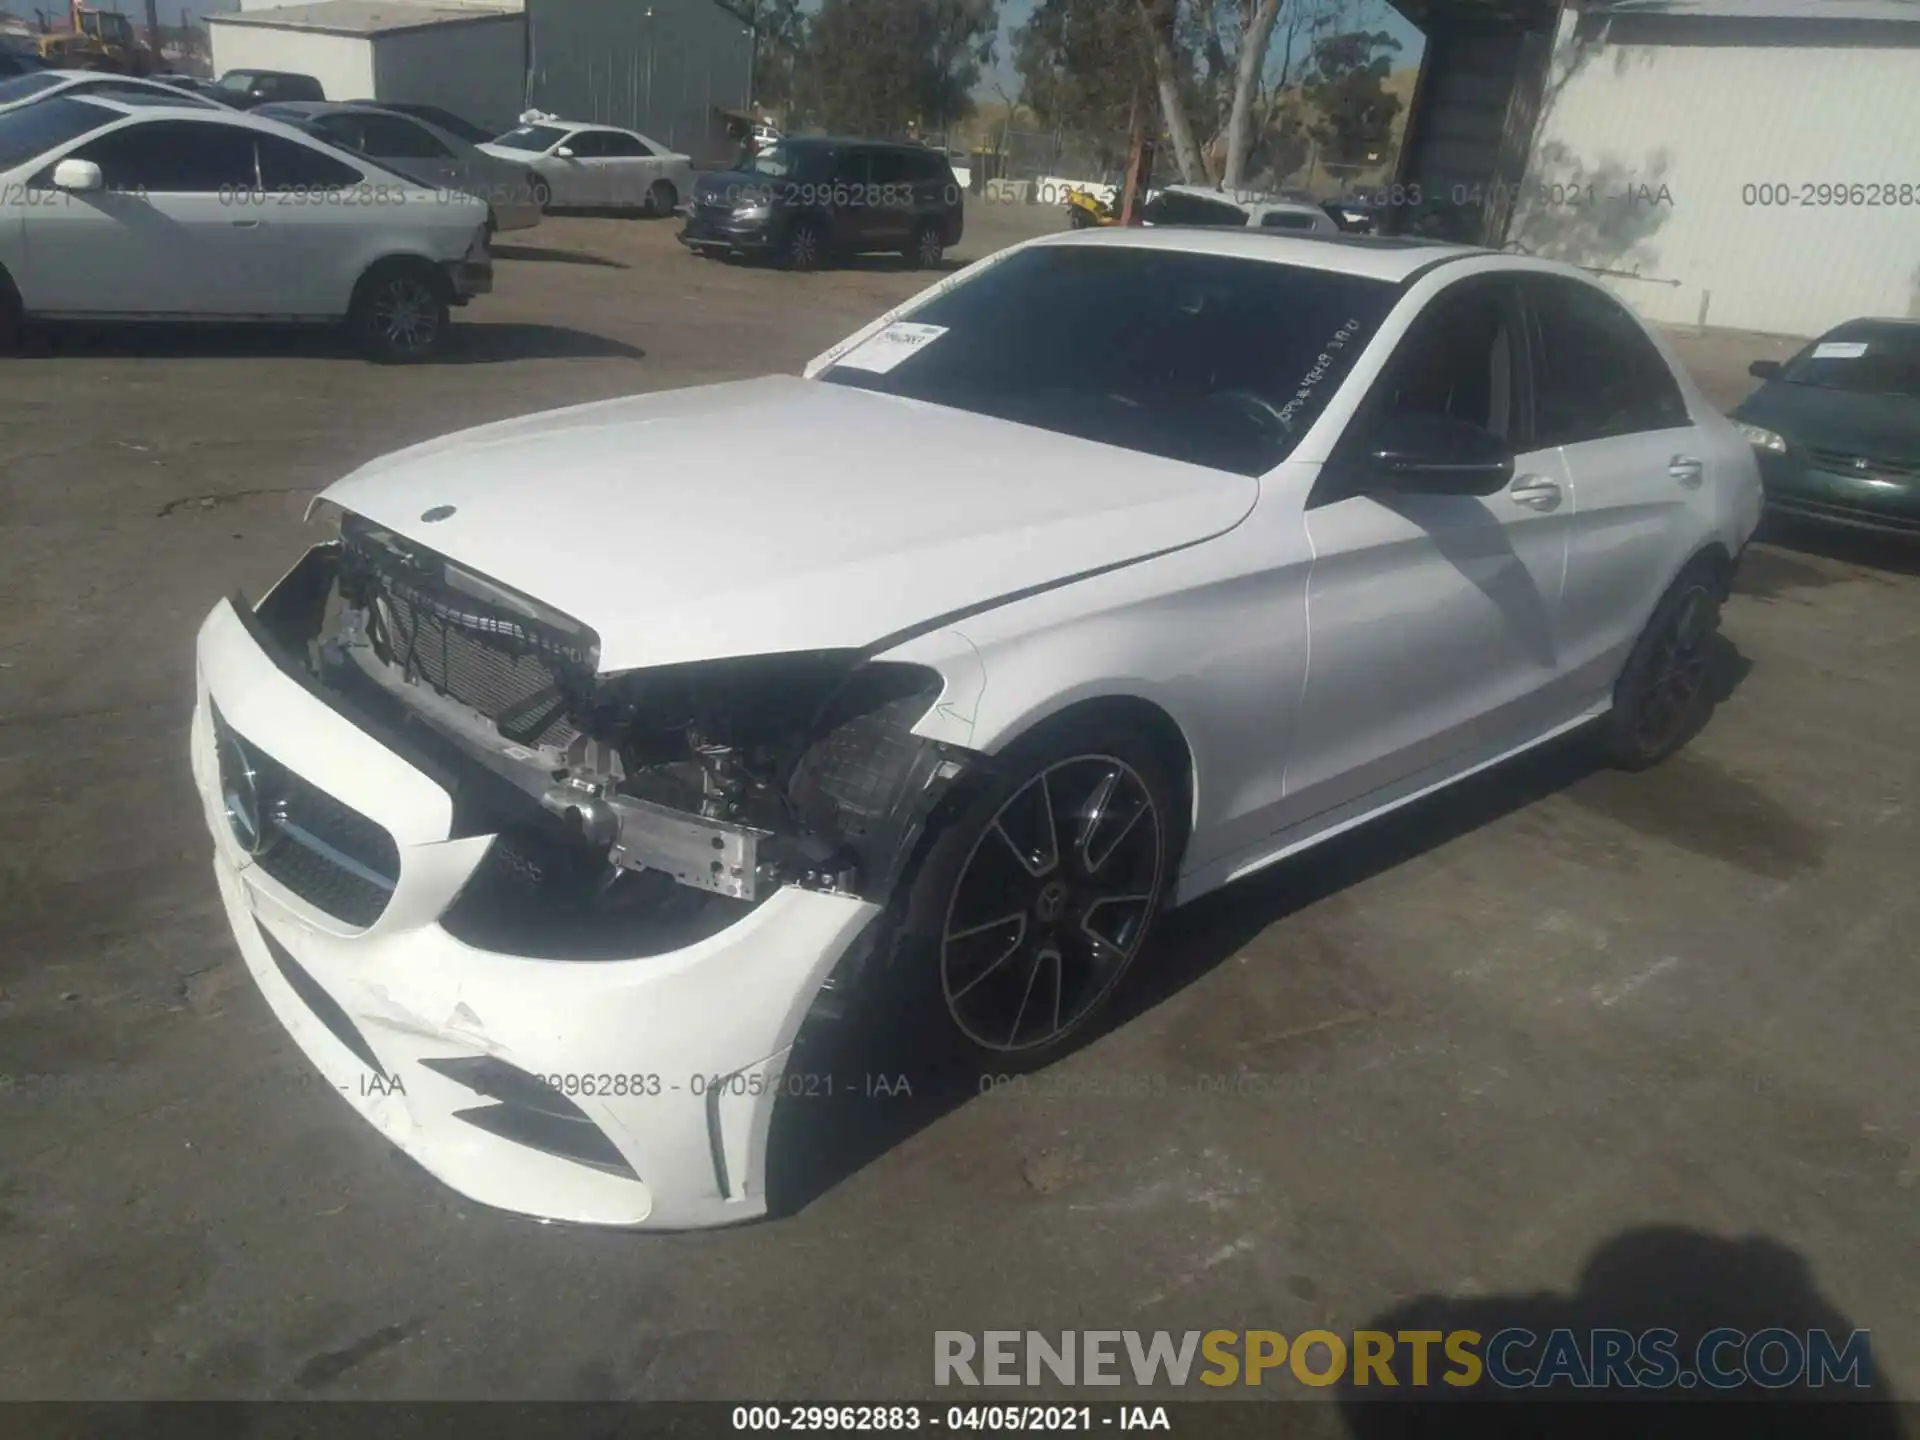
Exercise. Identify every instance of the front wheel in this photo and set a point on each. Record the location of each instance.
(399, 314)
(662, 198)
(805, 247)
(1665, 692)
(1034, 902)
(928, 248)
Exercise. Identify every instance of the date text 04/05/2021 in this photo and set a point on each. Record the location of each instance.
(959, 1419)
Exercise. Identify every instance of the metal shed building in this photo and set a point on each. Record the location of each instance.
(667, 68)
(464, 58)
(1738, 163)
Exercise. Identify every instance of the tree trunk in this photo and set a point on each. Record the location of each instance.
(1246, 78)
(1155, 15)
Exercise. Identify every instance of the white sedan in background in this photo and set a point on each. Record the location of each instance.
(117, 209)
(1203, 205)
(1216, 546)
(598, 166)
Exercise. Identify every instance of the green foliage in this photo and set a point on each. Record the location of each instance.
(882, 67)
(1356, 111)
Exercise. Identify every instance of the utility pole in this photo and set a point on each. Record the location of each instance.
(1139, 164)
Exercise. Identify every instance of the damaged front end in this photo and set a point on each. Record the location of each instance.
(632, 812)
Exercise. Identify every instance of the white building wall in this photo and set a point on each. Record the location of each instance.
(1707, 121)
(247, 5)
(478, 71)
(343, 64)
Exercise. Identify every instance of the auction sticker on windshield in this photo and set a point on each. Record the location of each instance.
(886, 348)
(1840, 350)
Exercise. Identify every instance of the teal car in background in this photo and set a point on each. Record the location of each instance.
(1837, 428)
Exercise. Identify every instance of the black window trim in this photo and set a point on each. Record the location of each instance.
(1334, 483)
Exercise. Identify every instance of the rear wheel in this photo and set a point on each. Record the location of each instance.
(399, 314)
(662, 198)
(805, 246)
(1665, 693)
(928, 248)
(1033, 903)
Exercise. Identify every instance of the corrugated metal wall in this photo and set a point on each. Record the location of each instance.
(1709, 113)
(661, 67)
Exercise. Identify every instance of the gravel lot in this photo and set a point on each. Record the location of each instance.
(1560, 1043)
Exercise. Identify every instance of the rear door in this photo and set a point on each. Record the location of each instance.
(850, 220)
(1607, 398)
(175, 231)
(894, 198)
(1431, 617)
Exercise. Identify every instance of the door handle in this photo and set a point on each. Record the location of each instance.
(1536, 491)
(1687, 470)
(246, 224)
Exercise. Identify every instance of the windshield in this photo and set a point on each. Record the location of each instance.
(32, 130)
(1882, 360)
(22, 86)
(1210, 359)
(776, 160)
(534, 138)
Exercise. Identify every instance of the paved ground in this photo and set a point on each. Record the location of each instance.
(1563, 1044)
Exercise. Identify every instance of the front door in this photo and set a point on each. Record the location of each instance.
(1431, 618)
(175, 229)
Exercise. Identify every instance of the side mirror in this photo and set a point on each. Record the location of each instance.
(1437, 455)
(564, 153)
(1764, 369)
(82, 177)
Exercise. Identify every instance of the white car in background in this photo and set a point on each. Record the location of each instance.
(598, 166)
(1202, 205)
(117, 210)
(38, 85)
(420, 150)
(1152, 557)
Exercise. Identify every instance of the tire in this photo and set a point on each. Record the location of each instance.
(1665, 692)
(543, 197)
(1070, 924)
(399, 314)
(928, 248)
(493, 225)
(805, 246)
(1080, 220)
(662, 198)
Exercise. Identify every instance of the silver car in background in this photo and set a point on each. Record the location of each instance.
(420, 150)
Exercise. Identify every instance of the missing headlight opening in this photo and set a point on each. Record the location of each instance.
(728, 778)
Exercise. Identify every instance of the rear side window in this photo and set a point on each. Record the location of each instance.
(399, 139)
(614, 142)
(1287, 220)
(285, 165)
(1597, 373)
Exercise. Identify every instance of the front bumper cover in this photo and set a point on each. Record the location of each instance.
(670, 1065)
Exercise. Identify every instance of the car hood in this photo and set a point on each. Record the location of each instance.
(1886, 427)
(776, 515)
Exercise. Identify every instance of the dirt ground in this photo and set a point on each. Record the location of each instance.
(1560, 1043)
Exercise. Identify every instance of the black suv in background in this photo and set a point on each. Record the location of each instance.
(803, 201)
(244, 89)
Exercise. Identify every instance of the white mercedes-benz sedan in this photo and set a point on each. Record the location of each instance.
(556, 790)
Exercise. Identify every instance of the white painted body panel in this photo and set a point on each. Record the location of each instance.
(1324, 666)
(129, 255)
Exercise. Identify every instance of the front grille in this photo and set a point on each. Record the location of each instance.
(1866, 466)
(324, 851)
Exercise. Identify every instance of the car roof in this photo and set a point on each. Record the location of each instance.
(188, 108)
(1393, 258)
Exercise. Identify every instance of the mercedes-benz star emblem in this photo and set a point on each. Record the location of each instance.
(249, 815)
(437, 513)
